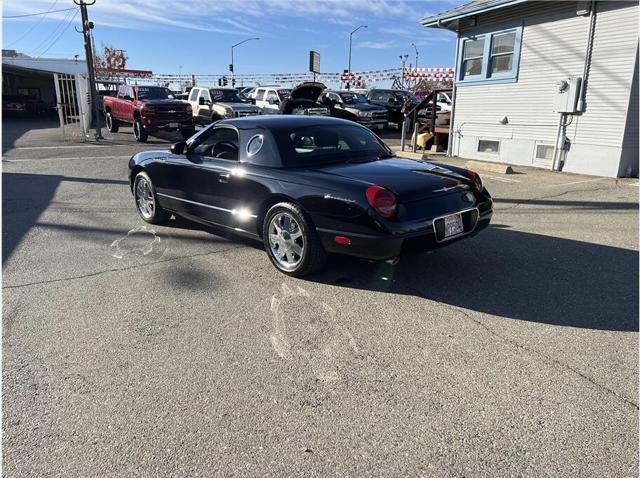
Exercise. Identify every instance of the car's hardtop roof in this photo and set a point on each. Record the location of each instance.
(221, 88)
(284, 121)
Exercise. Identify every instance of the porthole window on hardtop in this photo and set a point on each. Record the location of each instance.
(255, 144)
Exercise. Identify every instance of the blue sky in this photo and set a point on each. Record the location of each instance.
(188, 36)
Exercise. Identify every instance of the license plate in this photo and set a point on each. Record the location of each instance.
(174, 125)
(453, 225)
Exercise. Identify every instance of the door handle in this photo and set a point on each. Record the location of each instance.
(223, 178)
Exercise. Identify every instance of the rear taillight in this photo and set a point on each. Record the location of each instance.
(476, 179)
(383, 201)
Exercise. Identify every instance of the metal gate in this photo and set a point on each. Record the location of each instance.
(73, 118)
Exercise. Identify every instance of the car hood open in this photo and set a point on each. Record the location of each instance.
(309, 90)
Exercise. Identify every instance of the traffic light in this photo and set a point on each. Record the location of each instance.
(233, 82)
(231, 67)
(219, 81)
(225, 82)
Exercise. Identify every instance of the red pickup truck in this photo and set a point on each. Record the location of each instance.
(149, 109)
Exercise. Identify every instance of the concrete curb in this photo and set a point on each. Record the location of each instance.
(489, 167)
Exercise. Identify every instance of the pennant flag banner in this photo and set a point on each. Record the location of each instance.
(436, 74)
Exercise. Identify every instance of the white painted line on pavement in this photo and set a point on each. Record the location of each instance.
(64, 159)
(64, 146)
(577, 182)
(505, 180)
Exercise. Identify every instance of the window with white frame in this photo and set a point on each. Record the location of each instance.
(489, 56)
(488, 146)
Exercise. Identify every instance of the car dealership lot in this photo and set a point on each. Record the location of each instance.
(139, 350)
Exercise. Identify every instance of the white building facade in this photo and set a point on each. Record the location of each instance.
(547, 84)
(60, 83)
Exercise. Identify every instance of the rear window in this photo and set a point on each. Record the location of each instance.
(284, 94)
(324, 144)
(153, 93)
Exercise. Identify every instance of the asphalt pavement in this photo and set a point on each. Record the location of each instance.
(138, 350)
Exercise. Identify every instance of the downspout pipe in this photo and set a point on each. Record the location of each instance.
(587, 57)
(452, 116)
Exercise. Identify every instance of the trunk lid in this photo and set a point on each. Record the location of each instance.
(411, 180)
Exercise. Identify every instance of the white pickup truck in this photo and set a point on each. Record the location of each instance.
(212, 104)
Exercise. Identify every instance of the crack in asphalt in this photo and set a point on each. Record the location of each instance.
(549, 360)
(116, 269)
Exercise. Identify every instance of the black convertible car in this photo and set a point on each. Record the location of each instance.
(307, 186)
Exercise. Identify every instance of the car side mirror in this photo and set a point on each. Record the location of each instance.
(178, 148)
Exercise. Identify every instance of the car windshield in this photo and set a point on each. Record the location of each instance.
(284, 94)
(228, 96)
(325, 144)
(403, 95)
(153, 93)
(352, 98)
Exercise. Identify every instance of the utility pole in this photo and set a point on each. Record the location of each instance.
(87, 26)
(350, 40)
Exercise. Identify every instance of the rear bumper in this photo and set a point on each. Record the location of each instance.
(377, 247)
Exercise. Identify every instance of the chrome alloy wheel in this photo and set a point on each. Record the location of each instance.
(286, 240)
(144, 198)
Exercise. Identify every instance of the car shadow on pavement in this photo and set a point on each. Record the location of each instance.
(512, 274)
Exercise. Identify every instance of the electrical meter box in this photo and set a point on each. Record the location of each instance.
(567, 91)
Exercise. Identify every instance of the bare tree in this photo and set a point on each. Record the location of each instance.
(111, 60)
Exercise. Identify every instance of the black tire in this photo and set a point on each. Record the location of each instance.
(313, 256)
(139, 132)
(112, 124)
(188, 132)
(157, 215)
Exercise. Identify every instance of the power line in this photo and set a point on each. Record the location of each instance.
(44, 42)
(34, 25)
(40, 13)
(61, 33)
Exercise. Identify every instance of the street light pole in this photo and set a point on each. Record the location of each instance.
(416, 48)
(350, 40)
(232, 66)
(403, 59)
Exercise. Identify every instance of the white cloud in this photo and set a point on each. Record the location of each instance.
(235, 17)
(376, 45)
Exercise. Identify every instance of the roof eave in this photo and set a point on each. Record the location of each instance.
(445, 21)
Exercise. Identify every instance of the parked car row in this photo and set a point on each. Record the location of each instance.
(153, 108)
